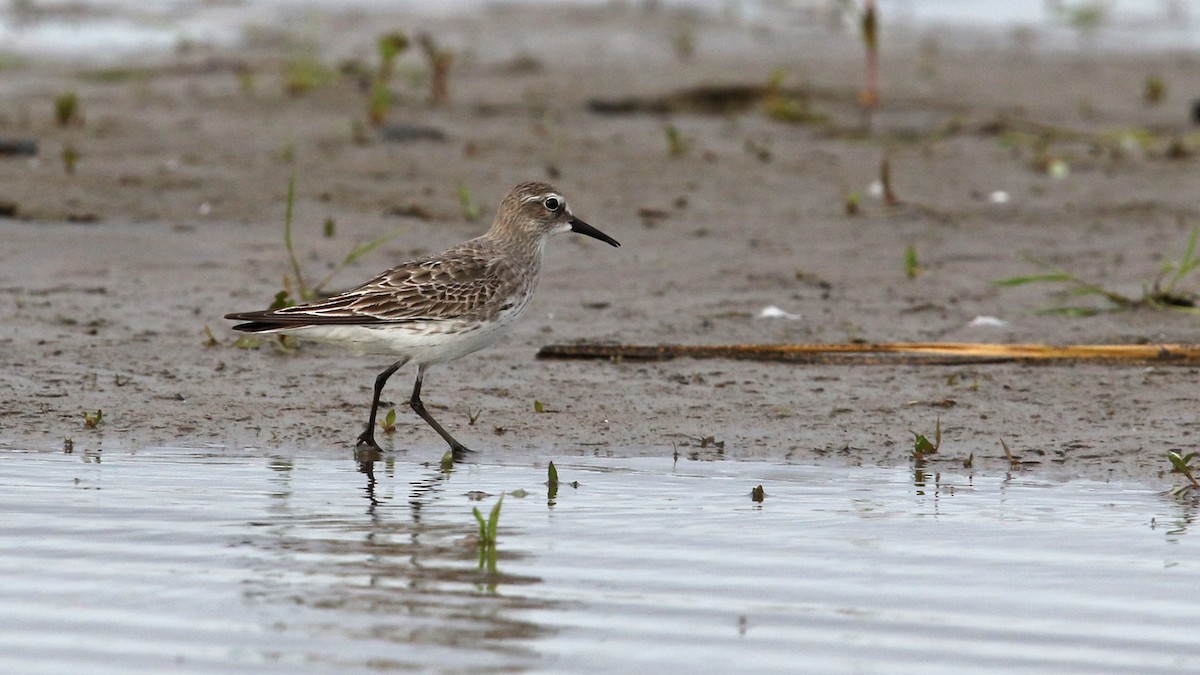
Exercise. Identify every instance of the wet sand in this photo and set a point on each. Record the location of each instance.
(173, 217)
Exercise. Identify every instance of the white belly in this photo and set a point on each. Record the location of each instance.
(424, 343)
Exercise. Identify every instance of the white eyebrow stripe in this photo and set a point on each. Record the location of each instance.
(538, 198)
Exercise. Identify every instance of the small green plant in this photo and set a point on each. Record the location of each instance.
(1163, 292)
(70, 157)
(1154, 90)
(329, 229)
(470, 210)
(447, 463)
(1164, 289)
(284, 297)
(390, 45)
(852, 203)
(538, 407)
(487, 536)
(473, 417)
(380, 98)
(1182, 464)
(287, 241)
(379, 103)
(92, 420)
(248, 342)
(912, 267)
(66, 109)
(303, 73)
(388, 425)
(677, 145)
(790, 108)
(551, 482)
(922, 446)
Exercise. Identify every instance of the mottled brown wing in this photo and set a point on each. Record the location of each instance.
(456, 284)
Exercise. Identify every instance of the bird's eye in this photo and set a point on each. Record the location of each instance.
(552, 203)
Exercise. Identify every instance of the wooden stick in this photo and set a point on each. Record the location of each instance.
(904, 353)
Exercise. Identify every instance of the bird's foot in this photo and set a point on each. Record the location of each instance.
(459, 451)
(367, 438)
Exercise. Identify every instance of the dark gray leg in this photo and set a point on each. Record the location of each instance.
(367, 437)
(455, 447)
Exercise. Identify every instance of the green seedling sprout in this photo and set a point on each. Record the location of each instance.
(304, 73)
(551, 482)
(487, 536)
(379, 104)
(380, 101)
(470, 210)
(92, 420)
(1163, 289)
(248, 342)
(677, 145)
(447, 463)
(354, 254)
(788, 108)
(1161, 293)
(287, 238)
(852, 203)
(66, 109)
(1182, 464)
(912, 268)
(538, 407)
(1154, 90)
(284, 297)
(388, 425)
(70, 157)
(473, 417)
(922, 446)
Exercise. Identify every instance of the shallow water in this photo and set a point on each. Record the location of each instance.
(111, 30)
(219, 561)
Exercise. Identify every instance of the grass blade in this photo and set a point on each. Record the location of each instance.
(1033, 279)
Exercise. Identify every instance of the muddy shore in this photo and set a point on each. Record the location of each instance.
(173, 216)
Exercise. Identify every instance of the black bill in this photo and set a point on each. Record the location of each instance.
(581, 227)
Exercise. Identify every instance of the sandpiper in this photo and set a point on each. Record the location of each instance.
(441, 307)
